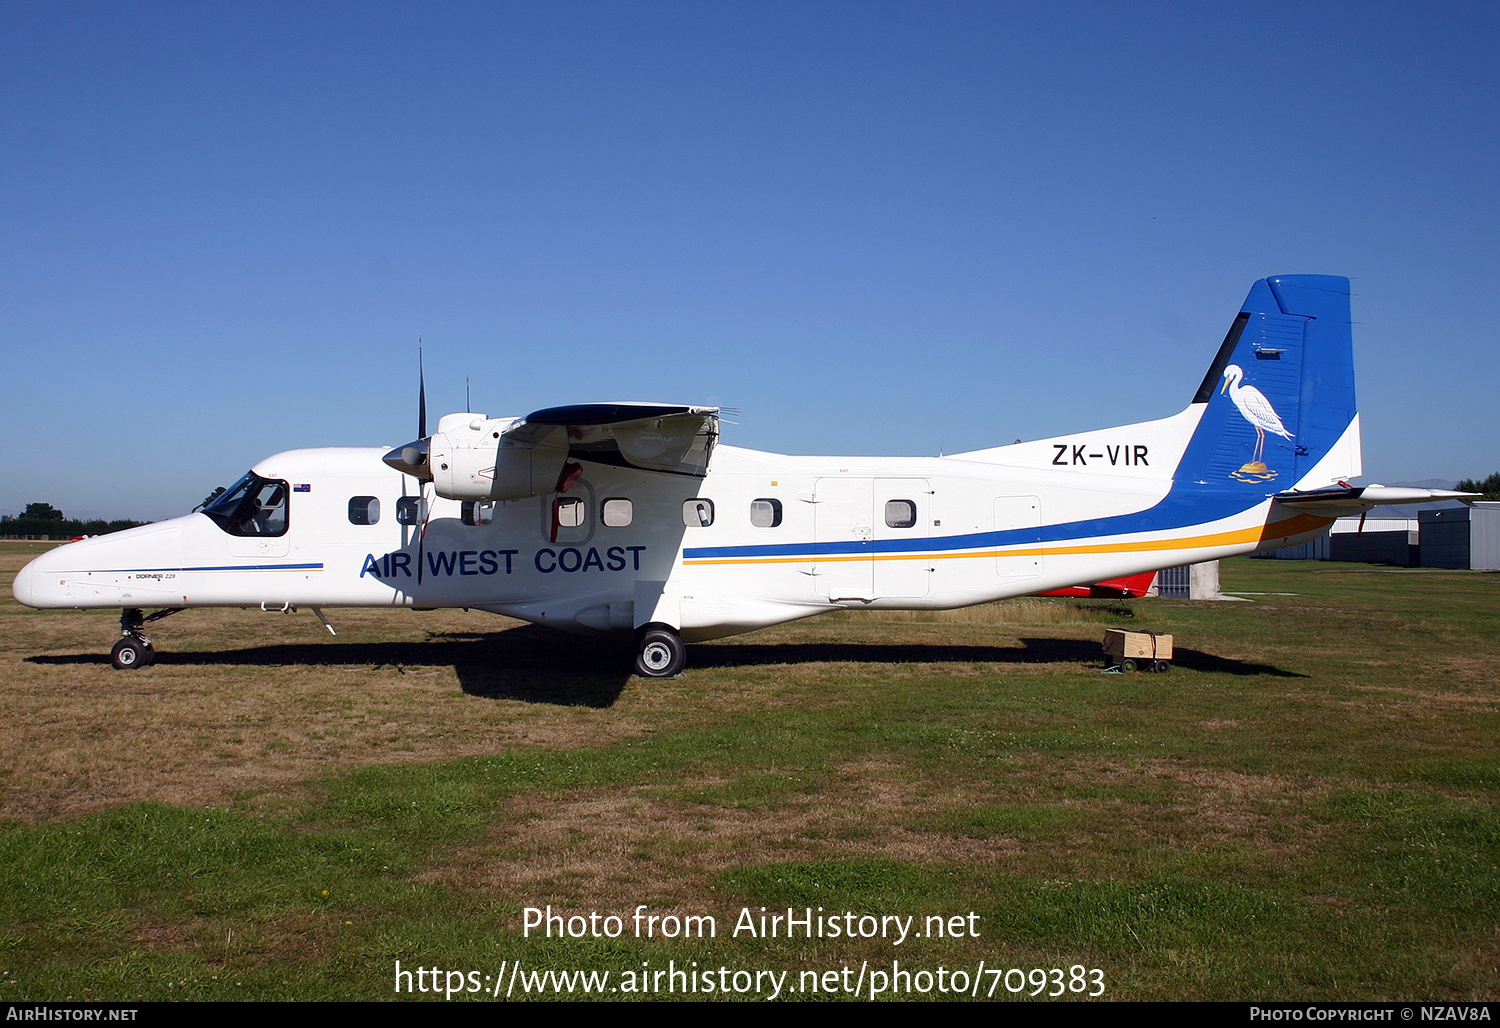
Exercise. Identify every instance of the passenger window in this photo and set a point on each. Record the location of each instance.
(698, 513)
(569, 512)
(409, 510)
(765, 513)
(364, 510)
(900, 513)
(617, 513)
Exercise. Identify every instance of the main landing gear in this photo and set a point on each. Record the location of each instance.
(134, 650)
(659, 652)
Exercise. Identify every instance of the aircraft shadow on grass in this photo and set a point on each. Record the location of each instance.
(538, 665)
(1033, 651)
(530, 664)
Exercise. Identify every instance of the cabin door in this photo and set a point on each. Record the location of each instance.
(864, 528)
(842, 531)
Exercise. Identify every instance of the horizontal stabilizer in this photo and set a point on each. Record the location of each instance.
(1337, 500)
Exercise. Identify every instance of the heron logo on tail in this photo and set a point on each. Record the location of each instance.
(1257, 410)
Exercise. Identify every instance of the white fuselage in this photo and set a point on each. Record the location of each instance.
(786, 537)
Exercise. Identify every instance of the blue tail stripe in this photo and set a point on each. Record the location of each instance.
(1297, 353)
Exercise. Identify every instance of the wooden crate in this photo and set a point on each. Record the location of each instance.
(1122, 645)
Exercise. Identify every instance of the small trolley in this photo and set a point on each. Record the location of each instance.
(1138, 651)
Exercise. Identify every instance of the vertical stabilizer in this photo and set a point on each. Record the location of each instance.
(1280, 393)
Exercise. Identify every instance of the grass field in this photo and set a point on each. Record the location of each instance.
(1305, 808)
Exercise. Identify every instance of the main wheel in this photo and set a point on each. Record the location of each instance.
(1127, 665)
(660, 653)
(130, 654)
(1162, 667)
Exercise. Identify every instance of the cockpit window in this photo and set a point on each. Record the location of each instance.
(252, 506)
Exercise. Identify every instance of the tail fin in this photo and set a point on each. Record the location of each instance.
(1279, 397)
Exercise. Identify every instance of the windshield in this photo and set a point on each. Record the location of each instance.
(252, 506)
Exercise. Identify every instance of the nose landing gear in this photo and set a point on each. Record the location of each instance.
(134, 650)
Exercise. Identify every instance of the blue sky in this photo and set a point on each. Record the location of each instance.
(874, 228)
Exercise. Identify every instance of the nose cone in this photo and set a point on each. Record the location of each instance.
(411, 459)
(24, 587)
(37, 584)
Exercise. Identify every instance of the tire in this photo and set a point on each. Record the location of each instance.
(130, 654)
(1127, 665)
(1162, 667)
(660, 653)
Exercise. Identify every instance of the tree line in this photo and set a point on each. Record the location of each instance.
(1490, 486)
(47, 522)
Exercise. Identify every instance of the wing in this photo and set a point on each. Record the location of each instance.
(471, 457)
(653, 436)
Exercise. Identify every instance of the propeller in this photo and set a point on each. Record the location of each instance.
(411, 459)
(422, 442)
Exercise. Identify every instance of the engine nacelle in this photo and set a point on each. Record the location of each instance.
(478, 461)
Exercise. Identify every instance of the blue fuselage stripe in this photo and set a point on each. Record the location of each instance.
(1171, 514)
(222, 567)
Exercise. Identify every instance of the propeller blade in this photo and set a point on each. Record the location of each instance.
(422, 532)
(421, 396)
(411, 459)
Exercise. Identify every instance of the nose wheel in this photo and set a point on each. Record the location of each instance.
(132, 652)
(659, 653)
